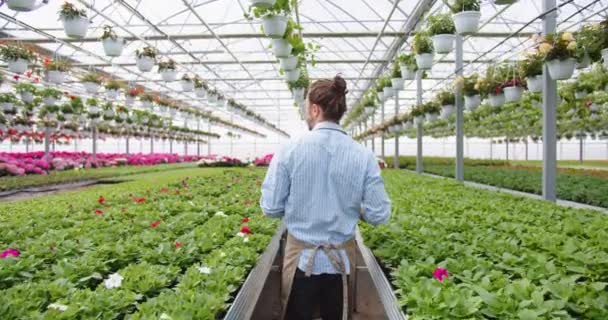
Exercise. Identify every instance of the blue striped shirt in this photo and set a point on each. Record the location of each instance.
(321, 185)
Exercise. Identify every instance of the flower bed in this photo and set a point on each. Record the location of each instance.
(461, 253)
(165, 246)
(263, 161)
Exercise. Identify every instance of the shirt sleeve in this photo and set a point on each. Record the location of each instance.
(376, 206)
(275, 189)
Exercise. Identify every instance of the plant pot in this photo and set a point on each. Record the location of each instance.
(262, 3)
(298, 94)
(187, 86)
(76, 27)
(168, 75)
(467, 21)
(91, 87)
(605, 57)
(146, 104)
(48, 101)
(584, 63)
(430, 117)
(369, 110)
(54, 76)
(497, 100)
(424, 61)
(289, 63)
(561, 69)
(408, 125)
(388, 92)
(212, 98)
(21, 5)
(145, 63)
(443, 43)
(292, 75)
(446, 111)
(112, 94)
(281, 48)
(220, 103)
(407, 73)
(18, 66)
(7, 106)
(580, 94)
(594, 107)
(397, 83)
(68, 116)
(129, 100)
(274, 26)
(113, 48)
(535, 84)
(200, 92)
(418, 120)
(513, 94)
(27, 97)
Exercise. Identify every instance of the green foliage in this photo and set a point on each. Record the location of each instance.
(440, 23)
(445, 98)
(25, 87)
(147, 52)
(199, 83)
(109, 33)
(7, 98)
(58, 65)
(167, 65)
(396, 70)
(281, 7)
(532, 65)
(50, 92)
(408, 60)
(115, 85)
(302, 82)
(383, 82)
(14, 52)
(457, 6)
(92, 77)
(431, 107)
(559, 46)
(68, 12)
(422, 43)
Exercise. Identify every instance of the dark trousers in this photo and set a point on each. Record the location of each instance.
(323, 292)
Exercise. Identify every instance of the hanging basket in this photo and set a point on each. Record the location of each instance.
(18, 66)
(430, 117)
(200, 92)
(561, 69)
(605, 57)
(27, 97)
(281, 48)
(187, 86)
(262, 3)
(513, 94)
(48, 101)
(145, 63)
(388, 92)
(55, 76)
(580, 94)
(292, 75)
(535, 83)
(7, 106)
(129, 100)
(168, 75)
(212, 98)
(497, 100)
(418, 120)
(467, 22)
(446, 111)
(298, 94)
(113, 47)
(91, 87)
(443, 43)
(21, 5)
(397, 83)
(146, 104)
(112, 94)
(289, 63)
(472, 102)
(584, 63)
(275, 26)
(424, 61)
(407, 73)
(76, 27)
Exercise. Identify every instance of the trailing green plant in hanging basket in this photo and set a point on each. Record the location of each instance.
(445, 98)
(422, 43)
(115, 85)
(25, 88)
(50, 92)
(532, 65)
(15, 52)
(396, 70)
(167, 65)
(441, 23)
(69, 11)
(469, 86)
(408, 60)
(302, 82)
(92, 77)
(58, 65)
(457, 6)
(383, 82)
(148, 51)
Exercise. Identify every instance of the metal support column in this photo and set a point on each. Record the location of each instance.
(581, 149)
(47, 139)
(209, 139)
(151, 142)
(127, 144)
(507, 145)
(491, 149)
(419, 125)
(549, 111)
(526, 149)
(198, 142)
(373, 138)
(94, 129)
(170, 146)
(185, 147)
(396, 161)
(382, 137)
(364, 130)
(460, 115)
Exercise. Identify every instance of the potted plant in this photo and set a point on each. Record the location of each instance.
(200, 87)
(212, 96)
(492, 85)
(466, 15)
(603, 32)
(132, 94)
(221, 100)
(75, 21)
(441, 28)
(469, 87)
(385, 85)
(289, 63)
(22, 5)
(26, 91)
(446, 100)
(513, 89)
(146, 58)
(431, 110)
(298, 88)
(57, 70)
(67, 111)
(7, 101)
(49, 96)
(17, 57)
(112, 43)
(274, 17)
(91, 82)
(187, 83)
(167, 70)
(423, 47)
(397, 80)
(122, 114)
(113, 88)
(408, 66)
(292, 75)
(532, 69)
(147, 100)
(559, 51)
(418, 113)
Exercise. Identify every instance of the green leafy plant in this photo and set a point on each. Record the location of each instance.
(440, 23)
(58, 65)
(281, 7)
(109, 33)
(92, 77)
(148, 51)
(422, 43)
(15, 52)
(68, 12)
(383, 82)
(147, 97)
(199, 83)
(115, 85)
(445, 98)
(186, 77)
(532, 65)
(409, 60)
(50, 92)
(302, 82)
(167, 65)
(559, 46)
(457, 6)
(396, 70)
(8, 98)
(25, 87)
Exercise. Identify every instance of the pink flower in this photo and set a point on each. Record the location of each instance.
(10, 252)
(440, 274)
(245, 230)
(245, 220)
(98, 212)
(101, 200)
(178, 244)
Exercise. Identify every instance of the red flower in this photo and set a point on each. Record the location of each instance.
(28, 74)
(36, 80)
(139, 200)
(72, 98)
(588, 103)
(245, 230)
(98, 212)
(46, 61)
(155, 224)
(164, 190)
(178, 244)
(245, 220)
(16, 77)
(101, 200)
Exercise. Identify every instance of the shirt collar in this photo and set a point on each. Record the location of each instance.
(328, 125)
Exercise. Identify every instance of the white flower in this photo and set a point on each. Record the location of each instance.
(246, 239)
(220, 214)
(192, 203)
(113, 281)
(222, 254)
(240, 234)
(57, 306)
(165, 316)
(204, 270)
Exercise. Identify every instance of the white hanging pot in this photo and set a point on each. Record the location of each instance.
(397, 83)
(497, 100)
(145, 63)
(292, 75)
(146, 104)
(535, 84)
(113, 48)
(48, 101)
(220, 103)
(298, 94)
(21, 5)
(424, 61)
(76, 27)
(472, 102)
(408, 125)
(17, 66)
(91, 87)
(584, 63)
(513, 94)
(108, 114)
(289, 63)
(200, 92)
(594, 107)
(7, 106)
(580, 94)
(407, 73)
(122, 116)
(262, 3)
(443, 43)
(168, 75)
(561, 69)
(430, 117)
(27, 97)
(281, 48)
(369, 110)
(112, 94)
(275, 26)
(187, 86)
(68, 116)
(55, 76)
(605, 57)
(418, 120)
(467, 21)
(446, 111)
(212, 98)
(388, 92)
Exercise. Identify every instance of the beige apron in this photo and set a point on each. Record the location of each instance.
(293, 250)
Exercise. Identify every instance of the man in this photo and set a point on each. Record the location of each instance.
(321, 186)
